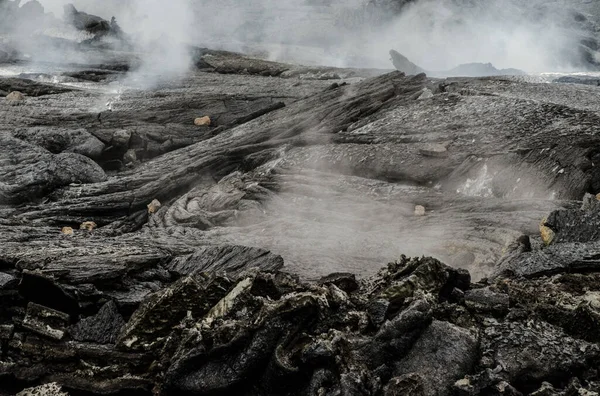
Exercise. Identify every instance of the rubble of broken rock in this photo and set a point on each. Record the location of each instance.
(418, 327)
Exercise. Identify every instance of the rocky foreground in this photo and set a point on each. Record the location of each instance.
(143, 233)
(418, 327)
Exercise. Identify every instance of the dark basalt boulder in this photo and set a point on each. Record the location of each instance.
(57, 141)
(46, 321)
(486, 300)
(161, 311)
(573, 243)
(407, 276)
(31, 88)
(42, 172)
(576, 225)
(92, 24)
(404, 65)
(102, 328)
(345, 281)
(83, 21)
(527, 354)
(441, 356)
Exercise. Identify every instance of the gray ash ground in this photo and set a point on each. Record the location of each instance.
(142, 252)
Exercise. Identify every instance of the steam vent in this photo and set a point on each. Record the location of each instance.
(300, 198)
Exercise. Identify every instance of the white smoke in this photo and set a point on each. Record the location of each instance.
(159, 32)
(439, 35)
(534, 36)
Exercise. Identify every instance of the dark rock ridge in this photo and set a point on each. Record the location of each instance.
(404, 65)
(92, 24)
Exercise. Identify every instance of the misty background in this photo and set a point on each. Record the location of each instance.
(535, 36)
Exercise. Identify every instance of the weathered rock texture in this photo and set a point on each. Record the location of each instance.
(410, 328)
(178, 286)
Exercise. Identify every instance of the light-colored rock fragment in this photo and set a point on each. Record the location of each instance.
(593, 299)
(202, 121)
(590, 202)
(121, 138)
(546, 233)
(130, 157)
(154, 206)
(15, 97)
(426, 94)
(52, 389)
(67, 231)
(88, 225)
(419, 210)
(464, 385)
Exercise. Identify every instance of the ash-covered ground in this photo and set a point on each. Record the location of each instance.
(178, 183)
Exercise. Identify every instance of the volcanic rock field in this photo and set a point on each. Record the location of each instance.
(255, 227)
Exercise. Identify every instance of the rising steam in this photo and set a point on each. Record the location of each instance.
(437, 35)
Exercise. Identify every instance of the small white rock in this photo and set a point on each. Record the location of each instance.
(154, 206)
(15, 98)
(426, 94)
(419, 210)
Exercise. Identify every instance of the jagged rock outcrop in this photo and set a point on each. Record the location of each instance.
(90, 23)
(266, 333)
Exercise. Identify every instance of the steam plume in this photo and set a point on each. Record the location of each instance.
(437, 35)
